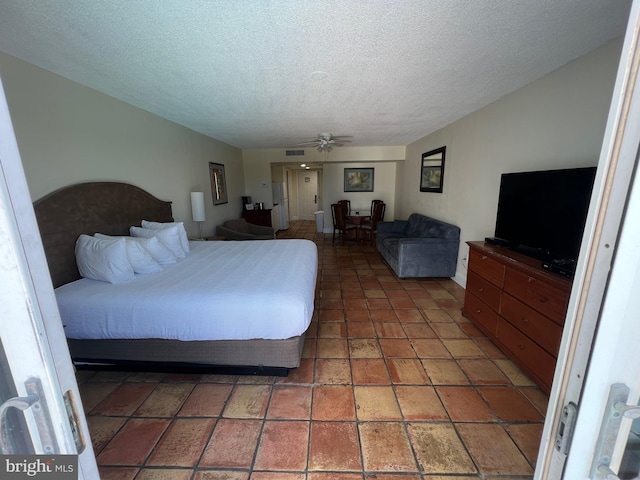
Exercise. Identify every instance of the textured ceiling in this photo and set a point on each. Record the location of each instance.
(269, 74)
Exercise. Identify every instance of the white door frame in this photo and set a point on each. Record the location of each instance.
(579, 374)
(30, 325)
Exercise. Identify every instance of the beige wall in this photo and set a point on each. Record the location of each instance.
(384, 181)
(68, 133)
(259, 171)
(557, 121)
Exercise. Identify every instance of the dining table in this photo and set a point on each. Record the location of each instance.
(357, 220)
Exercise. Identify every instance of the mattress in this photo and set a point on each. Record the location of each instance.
(220, 291)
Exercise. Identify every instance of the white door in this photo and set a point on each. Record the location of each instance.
(285, 214)
(308, 194)
(597, 381)
(40, 412)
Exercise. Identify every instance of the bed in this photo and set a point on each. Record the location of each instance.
(238, 307)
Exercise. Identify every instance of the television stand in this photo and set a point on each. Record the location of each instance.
(519, 305)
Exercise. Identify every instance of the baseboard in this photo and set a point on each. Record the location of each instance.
(460, 278)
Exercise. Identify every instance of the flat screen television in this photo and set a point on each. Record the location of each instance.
(542, 214)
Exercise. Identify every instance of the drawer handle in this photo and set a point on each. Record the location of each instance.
(478, 310)
(543, 299)
(525, 320)
(484, 257)
(521, 347)
(481, 289)
(529, 280)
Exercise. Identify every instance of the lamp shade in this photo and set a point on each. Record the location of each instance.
(197, 206)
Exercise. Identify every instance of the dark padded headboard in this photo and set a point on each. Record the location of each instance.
(104, 207)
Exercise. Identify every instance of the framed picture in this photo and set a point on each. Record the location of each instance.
(432, 170)
(218, 183)
(248, 206)
(358, 179)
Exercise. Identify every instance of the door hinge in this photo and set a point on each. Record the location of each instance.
(566, 428)
(72, 415)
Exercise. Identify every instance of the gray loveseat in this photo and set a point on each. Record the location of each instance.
(239, 229)
(419, 247)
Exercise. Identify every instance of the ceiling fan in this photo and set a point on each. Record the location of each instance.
(326, 141)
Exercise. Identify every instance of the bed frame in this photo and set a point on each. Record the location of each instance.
(111, 208)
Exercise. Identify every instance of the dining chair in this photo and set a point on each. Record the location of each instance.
(368, 229)
(340, 223)
(367, 219)
(347, 207)
(373, 204)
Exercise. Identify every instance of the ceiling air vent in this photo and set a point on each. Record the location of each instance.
(294, 153)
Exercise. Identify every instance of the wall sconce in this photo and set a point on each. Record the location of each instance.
(197, 210)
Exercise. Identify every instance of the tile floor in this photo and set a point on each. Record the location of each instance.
(394, 385)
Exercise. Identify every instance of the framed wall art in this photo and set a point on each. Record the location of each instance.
(218, 183)
(358, 179)
(432, 170)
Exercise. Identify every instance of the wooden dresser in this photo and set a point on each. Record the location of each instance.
(519, 305)
(260, 217)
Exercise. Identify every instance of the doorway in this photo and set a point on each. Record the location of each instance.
(307, 194)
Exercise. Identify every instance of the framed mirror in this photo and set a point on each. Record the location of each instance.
(432, 170)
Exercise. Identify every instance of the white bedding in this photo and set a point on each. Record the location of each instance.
(221, 290)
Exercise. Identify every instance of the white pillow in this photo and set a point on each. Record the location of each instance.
(141, 260)
(184, 239)
(157, 250)
(169, 237)
(105, 260)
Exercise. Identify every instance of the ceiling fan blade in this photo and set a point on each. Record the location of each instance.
(325, 141)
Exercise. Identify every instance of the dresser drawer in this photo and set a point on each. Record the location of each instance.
(480, 313)
(486, 267)
(485, 291)
(524, 351)
(546, 299)
(534, 325)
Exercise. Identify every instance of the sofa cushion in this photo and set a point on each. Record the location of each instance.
(425, 227)
(239, 225)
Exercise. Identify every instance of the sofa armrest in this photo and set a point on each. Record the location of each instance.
(397, 226)
(261, 230)
(223, 231)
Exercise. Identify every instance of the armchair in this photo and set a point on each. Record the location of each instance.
(239, 229)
